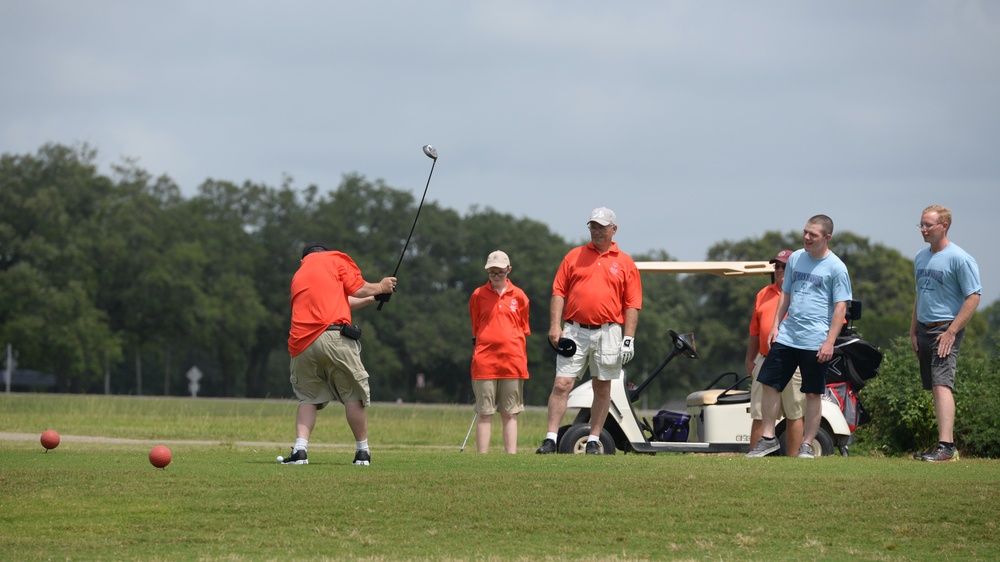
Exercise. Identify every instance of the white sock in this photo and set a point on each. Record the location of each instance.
(593, 438)
(362, 445)
(300, 444)
(552, 436)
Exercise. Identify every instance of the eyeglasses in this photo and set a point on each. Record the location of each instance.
(497, 273)
(926, 226)
(779, 266)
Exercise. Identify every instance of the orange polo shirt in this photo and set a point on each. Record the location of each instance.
(319, 296)
(598, 287)
(763, 315)
(500, 326)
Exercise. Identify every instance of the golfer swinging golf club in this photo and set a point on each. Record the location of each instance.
(598, 294)
(324, 347)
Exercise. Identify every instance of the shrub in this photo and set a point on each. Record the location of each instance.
(903, 413)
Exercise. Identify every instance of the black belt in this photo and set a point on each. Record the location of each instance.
(587, 326)
(334, 327)
(936, 324)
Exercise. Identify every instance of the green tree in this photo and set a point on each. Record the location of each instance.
(48, 270)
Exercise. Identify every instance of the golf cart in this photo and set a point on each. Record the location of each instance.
(717, 419)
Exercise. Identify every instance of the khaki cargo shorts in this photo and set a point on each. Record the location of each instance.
(330, 369)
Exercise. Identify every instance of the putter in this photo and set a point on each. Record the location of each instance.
(433, 155)
(468, 433)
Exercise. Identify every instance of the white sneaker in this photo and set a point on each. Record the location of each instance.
(806, 451)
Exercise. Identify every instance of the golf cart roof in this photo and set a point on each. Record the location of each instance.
(720, 268)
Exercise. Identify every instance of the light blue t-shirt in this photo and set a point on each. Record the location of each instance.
(944, 280)
(815, 287)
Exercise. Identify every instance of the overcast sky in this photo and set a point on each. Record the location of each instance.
(695, 121)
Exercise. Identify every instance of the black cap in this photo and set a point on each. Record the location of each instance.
(314, 247)
(566, 347)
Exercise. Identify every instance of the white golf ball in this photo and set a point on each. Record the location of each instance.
(280, 458)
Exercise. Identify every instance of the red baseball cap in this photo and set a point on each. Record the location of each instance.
(782, 257)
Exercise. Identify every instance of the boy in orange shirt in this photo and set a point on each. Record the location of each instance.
(499, 313)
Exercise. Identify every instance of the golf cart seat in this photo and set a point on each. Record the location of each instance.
(717, 396)
(729, 395)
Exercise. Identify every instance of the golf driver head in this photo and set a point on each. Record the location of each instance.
(430, 151)
(566, 347)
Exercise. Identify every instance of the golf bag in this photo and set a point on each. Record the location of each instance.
(855, 361)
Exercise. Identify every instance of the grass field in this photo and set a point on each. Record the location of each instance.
(96, 497)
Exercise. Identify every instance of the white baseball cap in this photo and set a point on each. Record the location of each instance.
(602, 216)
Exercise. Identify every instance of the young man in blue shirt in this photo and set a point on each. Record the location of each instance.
(814, 295)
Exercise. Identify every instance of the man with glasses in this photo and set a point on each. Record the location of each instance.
(598, 294)
(792, 400)
(948, 293)
(499, 312)
(807, 321)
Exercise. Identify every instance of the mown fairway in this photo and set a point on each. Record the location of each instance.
(224, 497)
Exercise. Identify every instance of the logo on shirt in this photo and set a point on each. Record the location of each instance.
(614, 268)
(934, 274)
(513, 305)
(814, 280)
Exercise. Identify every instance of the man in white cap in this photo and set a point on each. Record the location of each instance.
(597, 294)
(499, 313)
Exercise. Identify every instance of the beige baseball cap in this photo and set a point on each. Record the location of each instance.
(497, 259)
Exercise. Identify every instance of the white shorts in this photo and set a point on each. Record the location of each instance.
(599, 349)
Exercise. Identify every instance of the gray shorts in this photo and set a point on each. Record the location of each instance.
(934, 370)
(330, 369)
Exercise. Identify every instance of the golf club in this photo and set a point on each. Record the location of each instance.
(433, 155)
(468, 433)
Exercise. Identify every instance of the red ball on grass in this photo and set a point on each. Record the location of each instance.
(159, 456)
(50, 439)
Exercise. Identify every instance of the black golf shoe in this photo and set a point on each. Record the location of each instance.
(594, 448)
(362, 458)
(298, 456)
(548, 447)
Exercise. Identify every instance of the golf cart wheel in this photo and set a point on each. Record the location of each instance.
(574, 441)
(822, 444)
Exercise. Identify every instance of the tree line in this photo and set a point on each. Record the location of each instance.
(118, 283)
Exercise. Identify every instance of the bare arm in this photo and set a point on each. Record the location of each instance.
(947, 339)
(357, 303)
(386, 285)
(825, 352)
(631, 322)
(753, 346)
(556, 306)
(779, 315)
